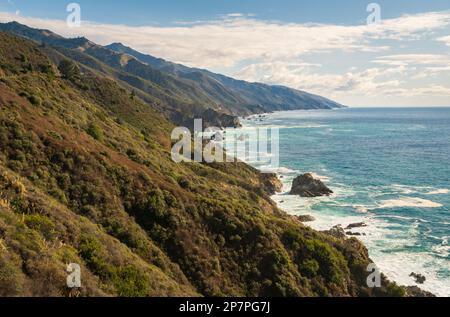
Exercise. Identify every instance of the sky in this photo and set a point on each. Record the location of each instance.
(325, 47)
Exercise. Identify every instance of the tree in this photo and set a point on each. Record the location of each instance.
(69, 70)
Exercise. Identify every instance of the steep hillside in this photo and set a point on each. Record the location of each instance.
(86, 177)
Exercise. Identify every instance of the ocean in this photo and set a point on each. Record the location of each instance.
(389, 168)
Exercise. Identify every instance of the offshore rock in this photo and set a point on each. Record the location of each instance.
(307, 186)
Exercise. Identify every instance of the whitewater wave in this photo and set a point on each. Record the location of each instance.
(441, 191)
(408, 202)
(396, 265)
(280, 170)
(406, 190)
(423, 263)
(252, 125)
(321, 177)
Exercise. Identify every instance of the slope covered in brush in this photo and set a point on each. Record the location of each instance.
(87, 178)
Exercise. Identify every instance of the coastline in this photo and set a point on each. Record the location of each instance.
(285, 175)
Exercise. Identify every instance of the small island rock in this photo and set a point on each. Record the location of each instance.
(307, 186)
(419, 278)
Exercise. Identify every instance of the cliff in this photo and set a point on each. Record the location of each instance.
(86, 177)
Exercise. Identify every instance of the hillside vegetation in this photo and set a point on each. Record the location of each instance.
(86, 177)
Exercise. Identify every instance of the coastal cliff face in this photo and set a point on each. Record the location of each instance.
(86, 177)
(271, 183)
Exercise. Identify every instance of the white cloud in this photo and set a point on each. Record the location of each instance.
(430, 90)
(275, 52)
(424, 65)
(411, 26)
(225, 43)
(437, 60)
(304, 76)
(445, 39)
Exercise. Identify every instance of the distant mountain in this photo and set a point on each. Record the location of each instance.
(257, 96)
(180, 92)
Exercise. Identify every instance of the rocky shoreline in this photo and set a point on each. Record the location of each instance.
(307, 186)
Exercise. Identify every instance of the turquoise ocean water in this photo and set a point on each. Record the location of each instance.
(389, 168)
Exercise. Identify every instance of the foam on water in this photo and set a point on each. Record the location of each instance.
(409, 202)
(441, 191)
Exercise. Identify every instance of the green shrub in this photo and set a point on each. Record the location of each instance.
(330, 260)
(91, 250)
(95, 131)
(131, 282)
(40, 223)
(34, 100)
(55, 135)
(133, 155)
(309, 268)
(184, 183)
(69, 70)
(394, 290)
(47, 69)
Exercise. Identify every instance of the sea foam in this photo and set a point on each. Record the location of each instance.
(442, 191)
(408, 202)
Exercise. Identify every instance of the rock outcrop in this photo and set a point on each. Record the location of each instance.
(419, 278)
(307, 186)
(351, 233)
(414, 291)
(356, 225)
(337, 232)
(271, 183)
(306, 218)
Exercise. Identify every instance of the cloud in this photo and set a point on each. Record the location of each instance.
(414, 59)
(305, 76)
(445, 39)
(424, 65)
(430, 90)
(236, 38)
(411, 26)
(277, 53)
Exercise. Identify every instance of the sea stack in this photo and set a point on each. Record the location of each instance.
(307, 186)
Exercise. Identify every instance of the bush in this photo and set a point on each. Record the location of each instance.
(34, 100)
(69, 70)
(330, 261)
(95, 131)
(40, 223)
(131, 282)
(184, 183)
(394, 290)
(47, 69)
(309, 268)
(91, 251)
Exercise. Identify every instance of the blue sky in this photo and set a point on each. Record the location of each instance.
(143, 12)
(324, 47)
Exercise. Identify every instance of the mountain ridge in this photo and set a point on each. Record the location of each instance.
(176, 68)
(185, 93)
